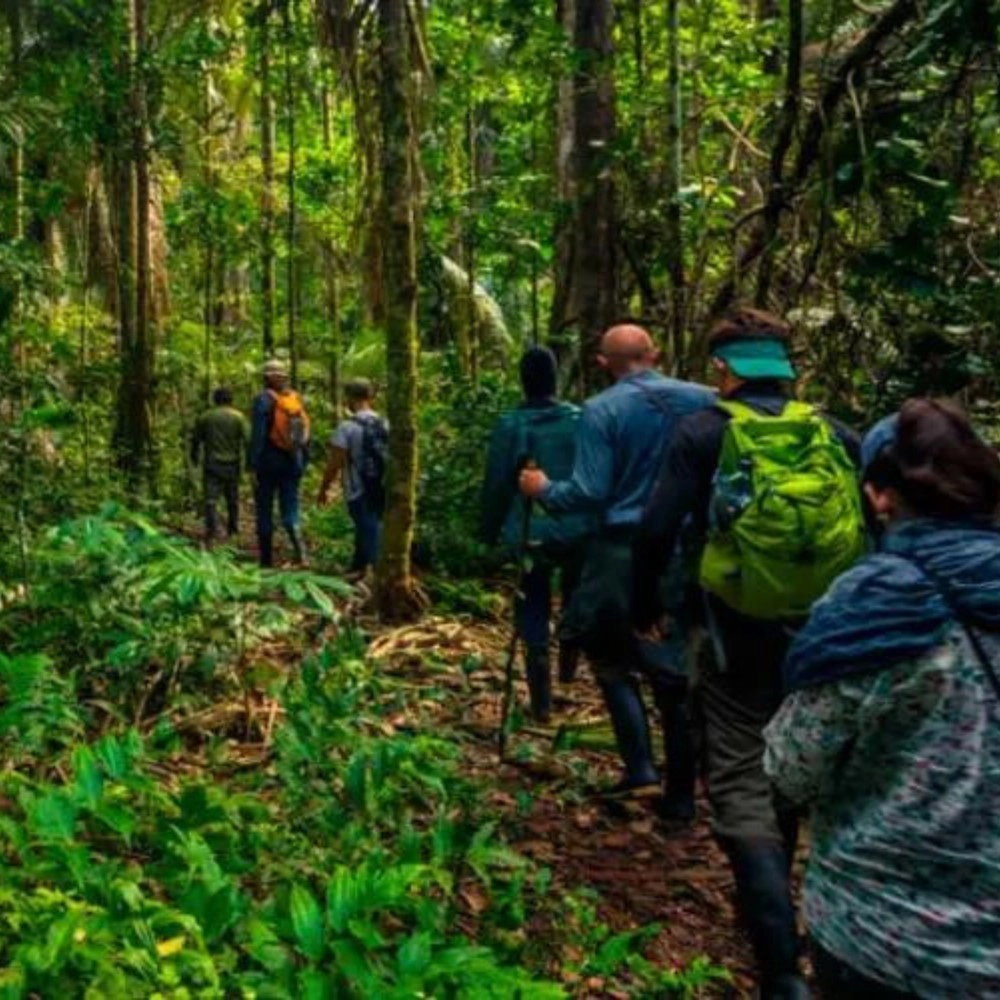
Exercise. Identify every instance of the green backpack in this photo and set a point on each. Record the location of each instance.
(785, 516)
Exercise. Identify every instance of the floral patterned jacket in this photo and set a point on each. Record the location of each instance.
(901, 769)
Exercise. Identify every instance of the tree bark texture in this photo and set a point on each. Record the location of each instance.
(674, 234)
(587, 267)
(133, 437)
(559, 320)
(331, 279)
(291, 291)
(269, 282)
(398, 598)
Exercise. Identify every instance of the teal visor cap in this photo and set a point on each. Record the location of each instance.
(756, 359)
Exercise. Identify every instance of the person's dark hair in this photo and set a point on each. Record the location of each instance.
(938, 463)
(748, 323)
(538, 373)
(222, 397)
(359, 390)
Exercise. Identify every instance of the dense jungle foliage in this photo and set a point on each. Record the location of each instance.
(207, 787)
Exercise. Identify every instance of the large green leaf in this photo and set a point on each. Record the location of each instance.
(307, 923)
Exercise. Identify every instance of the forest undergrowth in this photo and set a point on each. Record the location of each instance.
(220, 782)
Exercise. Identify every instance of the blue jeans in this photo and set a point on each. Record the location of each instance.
(286, 488)
(367, 530)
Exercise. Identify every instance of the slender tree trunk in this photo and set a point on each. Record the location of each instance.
(561, 318)
(595, 256)
(144, 340)
(208, 249)
(134, 432)
(331, 278)
(291, 290)
(674, 234)
(269, 281)
(397, 595)
(471, 240)
(786, 132)
(13, 13)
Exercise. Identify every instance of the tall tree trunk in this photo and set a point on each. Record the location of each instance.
(208, 247)
(595, 255)
(269, 281)
(291, 288)
(331, 279)
(398, 596)
(17, 167)
(674, 234)
(134, 431)
(561, 318)
(471, 239)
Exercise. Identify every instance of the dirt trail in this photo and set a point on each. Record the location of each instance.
(644, 872)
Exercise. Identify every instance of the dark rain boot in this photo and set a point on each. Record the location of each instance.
(265, 543)
(764, 900)
(298, 547)
(569, 662)
(536, 661)
(628, 719)
(681, 767)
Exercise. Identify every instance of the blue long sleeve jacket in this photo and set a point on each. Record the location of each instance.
(623, 436)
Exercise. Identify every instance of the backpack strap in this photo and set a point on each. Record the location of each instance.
(656, 398)
(793, 409)
(943, 588)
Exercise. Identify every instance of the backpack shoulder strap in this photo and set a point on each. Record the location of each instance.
(793, 410)
(942, 587)
(797, 410)
(738, 411)
(656, 398)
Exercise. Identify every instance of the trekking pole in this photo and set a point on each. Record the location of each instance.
(508, 680)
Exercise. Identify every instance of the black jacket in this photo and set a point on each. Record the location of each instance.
(684, 488)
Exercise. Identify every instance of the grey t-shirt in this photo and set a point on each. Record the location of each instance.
(350, 436)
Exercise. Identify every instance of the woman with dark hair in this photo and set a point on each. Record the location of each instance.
(891, 728)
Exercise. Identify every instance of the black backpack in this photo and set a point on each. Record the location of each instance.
(374, 460)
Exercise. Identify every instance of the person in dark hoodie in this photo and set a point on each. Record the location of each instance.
(541, 430)
(891, 728)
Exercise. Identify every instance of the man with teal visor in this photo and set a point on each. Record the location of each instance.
(751, 476)
(756, 359)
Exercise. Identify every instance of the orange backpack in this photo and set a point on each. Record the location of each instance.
(289, 422)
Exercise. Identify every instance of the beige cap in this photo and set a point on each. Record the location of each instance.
(275, 368)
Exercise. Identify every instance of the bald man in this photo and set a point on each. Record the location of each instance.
(623, 435)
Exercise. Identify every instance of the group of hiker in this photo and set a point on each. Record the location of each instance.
(275, 448)
(816, 617)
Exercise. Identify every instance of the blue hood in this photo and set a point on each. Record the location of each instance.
(886, 609)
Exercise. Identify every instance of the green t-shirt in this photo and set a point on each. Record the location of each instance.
(220, 437)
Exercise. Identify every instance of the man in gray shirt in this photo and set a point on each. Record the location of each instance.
(358, 452)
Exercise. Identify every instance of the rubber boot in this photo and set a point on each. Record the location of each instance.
(536, 661)
(764, 901)
(265, 544)
(628, 719)
(298, 547)
(681, 767)
(569, 662)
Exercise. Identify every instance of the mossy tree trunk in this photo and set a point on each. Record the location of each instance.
(398, 595)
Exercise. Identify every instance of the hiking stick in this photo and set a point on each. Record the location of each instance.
(508, 680)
